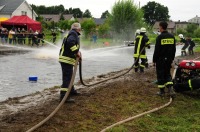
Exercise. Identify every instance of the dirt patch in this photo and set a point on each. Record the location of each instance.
(98, 106)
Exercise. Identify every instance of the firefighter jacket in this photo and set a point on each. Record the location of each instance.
(70, 48)
(185, 42)
(141, 42)
(165, 47)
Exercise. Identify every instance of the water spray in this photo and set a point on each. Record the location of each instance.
(51, 44)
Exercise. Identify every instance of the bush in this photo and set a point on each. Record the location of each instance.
(196, 40)
(197, 33)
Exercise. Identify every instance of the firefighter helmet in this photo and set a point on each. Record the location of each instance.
(180, 35)
(143, 30)
(137, 31)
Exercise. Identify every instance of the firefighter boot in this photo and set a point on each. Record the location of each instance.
(162, 92)
(136, 69)
(141, 70)
(69, 100)
(171, 91)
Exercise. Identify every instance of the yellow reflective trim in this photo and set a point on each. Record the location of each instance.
(66, 61)
(143, 56)
(62, 50)
(190, 84)
(135, 55)
(161, 86)
(64, 89)
(147, 43)
(139, 44)
(167, 41)
(67, 58)
(142, 66)
(74, 48)
(168, 83)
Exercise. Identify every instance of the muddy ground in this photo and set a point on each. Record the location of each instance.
(98, 106)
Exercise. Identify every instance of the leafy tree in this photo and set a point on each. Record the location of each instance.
(88, 26)
(155, 12)
(87, 14)
(191, 28)
(124, 19)
(197, 33)
(64, 24)
(180, 31)
(62, 17)
(103, 30)
(105, 14)
(77, 13)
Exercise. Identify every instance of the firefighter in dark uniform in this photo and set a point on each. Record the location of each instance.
(67, 57)
(186, 44)
(190, 85)
(192, 44)
(163, 57)
(141, 42)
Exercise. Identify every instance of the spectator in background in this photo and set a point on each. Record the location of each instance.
(6, 35)
(15, 36)
(3, 35)
(94, 38)
(10, 36)
(30, 36)
(35, 39)
(41, 36)
(23, 34)
(0, 32)
(54, 37)
(19, 37)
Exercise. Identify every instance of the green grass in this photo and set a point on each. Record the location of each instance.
(183, 115)
(197, 49)
(87, 43)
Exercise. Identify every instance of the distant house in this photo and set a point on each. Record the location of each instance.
(80, 20)
(195, 20)
(99, 21)
(182, 25)
(56, 18)
(171, 27)
(10, 8)
(69, 17)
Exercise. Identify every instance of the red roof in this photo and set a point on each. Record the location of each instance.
(23, 21)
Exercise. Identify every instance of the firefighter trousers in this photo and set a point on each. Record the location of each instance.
(187, 86)
(141, 66)
(67, 71)
(164, 78)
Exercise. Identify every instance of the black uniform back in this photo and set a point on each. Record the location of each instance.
(141, 41)
(70, 48)
(165, 47)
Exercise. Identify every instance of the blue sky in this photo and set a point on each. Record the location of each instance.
(178, 9)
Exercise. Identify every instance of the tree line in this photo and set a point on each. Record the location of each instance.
(60, 9)
(125, 17)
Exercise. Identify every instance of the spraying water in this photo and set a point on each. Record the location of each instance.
(51, 44)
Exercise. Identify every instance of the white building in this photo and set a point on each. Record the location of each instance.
(10, 8)
(195, 20)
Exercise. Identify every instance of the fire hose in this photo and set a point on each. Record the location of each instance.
(70, 87)
(114, 77)
(144, 113)
(61, 103)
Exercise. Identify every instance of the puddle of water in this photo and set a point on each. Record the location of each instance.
(43, 63)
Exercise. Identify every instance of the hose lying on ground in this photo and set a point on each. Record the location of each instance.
(144, 113)
(61, 103)
(114, 77)
(139, 115)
